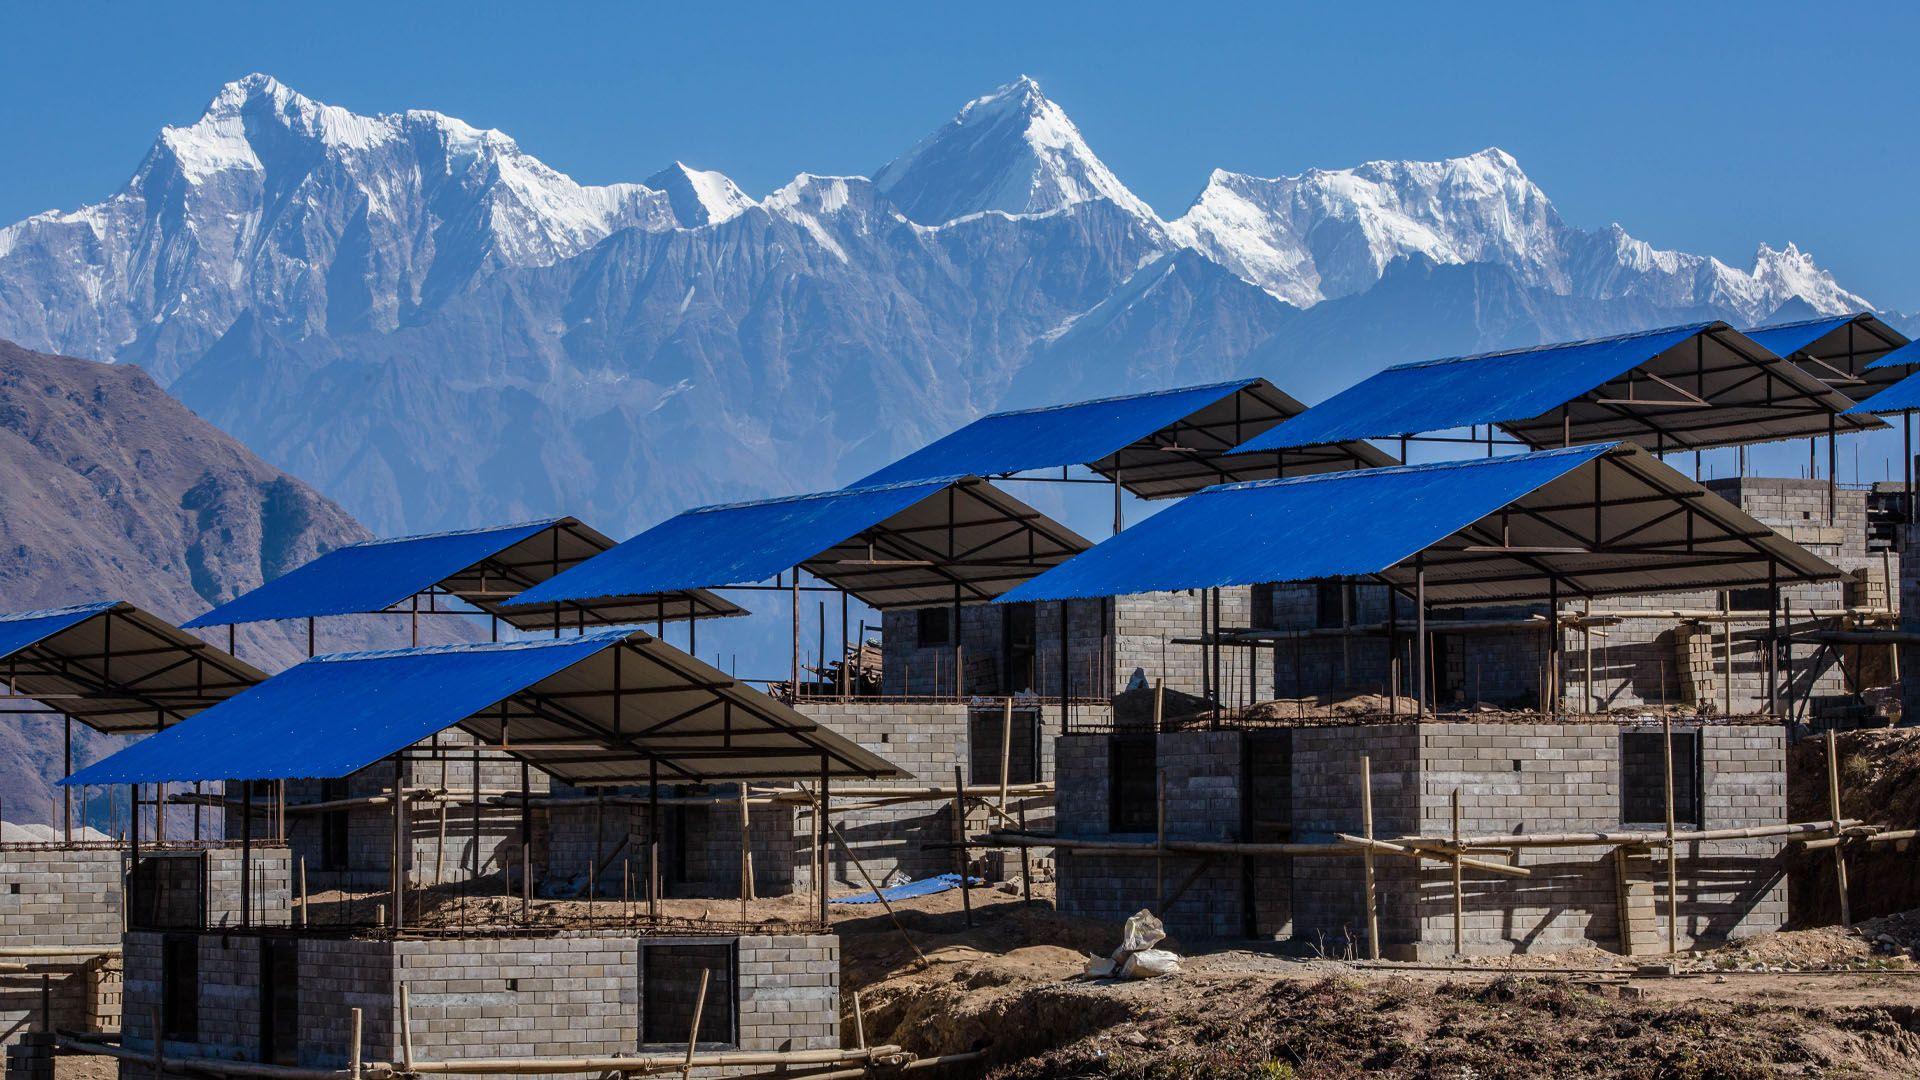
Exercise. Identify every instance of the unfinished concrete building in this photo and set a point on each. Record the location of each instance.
(66, 899)
(465, 829)
(1258, 825)
(944, 543)
(434, 976)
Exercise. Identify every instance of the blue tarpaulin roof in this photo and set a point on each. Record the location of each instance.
(604, 707)
(1076, 434)
(1158, 445)
(23, 629)
(1544, 529)
(115, 667)
(1434, 395)
(369, 576)
(730, 544)
(1901, 397)
(1789, 338)
(1904, 356)
(334, 715)
(894, 545)
(1686, 387)
(1278, 530)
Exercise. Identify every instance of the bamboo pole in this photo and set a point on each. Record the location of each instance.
(859, 1023)
(882, 897)
(1673, 872)
(1006, 748)
(746, 852)
(1458, 920)
(1366, 858)
(693, 1034)
(1833, 806)
(353, 1047)
(643, 1064)
(1438, 853)
(303, 891)
(960, 837)
(406, 1030)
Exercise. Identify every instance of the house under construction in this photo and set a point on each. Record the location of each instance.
(1535, 695)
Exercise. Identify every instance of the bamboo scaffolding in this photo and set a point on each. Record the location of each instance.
(773, 1061)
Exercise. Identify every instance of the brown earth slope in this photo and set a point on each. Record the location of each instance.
(110, 489)
(1880, 785)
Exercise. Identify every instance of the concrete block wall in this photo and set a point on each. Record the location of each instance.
(710, 833)
(928, 740)
(1646, 661)
(72, 897)
(1512, 778)
(570, 993)
(1570, 780)
(912, 670)
(370, 828)
(1203, 793)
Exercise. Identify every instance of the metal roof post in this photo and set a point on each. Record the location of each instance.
(1066, 668)
(1553, 645)
(1420, 630)
(1773, 638)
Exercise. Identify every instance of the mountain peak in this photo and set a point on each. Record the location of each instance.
(1012, 150)
(700, 196)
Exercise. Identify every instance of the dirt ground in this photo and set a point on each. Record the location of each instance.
(1013, 985)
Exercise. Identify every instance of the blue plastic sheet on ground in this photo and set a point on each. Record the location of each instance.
(923, 887)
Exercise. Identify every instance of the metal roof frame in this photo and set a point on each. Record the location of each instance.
(610, 707)
(1692, 387)
(1159, 444)
(1592, 521)
(942, 541)
(117, 668)
(480, 574)
(1842, 351)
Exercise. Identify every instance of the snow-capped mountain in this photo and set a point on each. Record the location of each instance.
(439, 329)
(1013, 151)
(1332, 233)
(699, 196)
(303, 214)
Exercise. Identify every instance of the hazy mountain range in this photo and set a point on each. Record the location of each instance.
(437, 329)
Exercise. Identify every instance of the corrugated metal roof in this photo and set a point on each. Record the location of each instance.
(1844, 351)
(895, 545)
(115, 667)
(369, 576)
(637, 699)
(1905, 356)
(1788, 338)
(19, 629)
(1052, 436)
(1455, 515)
(481, 567)
(1901, 397)
(1157, 445)
(1653, 387)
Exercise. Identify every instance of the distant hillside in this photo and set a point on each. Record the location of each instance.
(111, 489)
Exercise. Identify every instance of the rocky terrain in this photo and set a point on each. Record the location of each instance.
(110, 489)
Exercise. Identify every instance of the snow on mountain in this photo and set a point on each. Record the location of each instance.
(1012, 151)
(440, 330)
(1328, 233)
(699, 196)
(302, 213)
(1331, 233)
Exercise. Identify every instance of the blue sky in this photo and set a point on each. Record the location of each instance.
(1706, 127)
